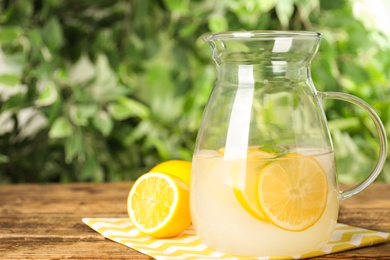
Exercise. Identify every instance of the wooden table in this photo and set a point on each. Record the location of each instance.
(43, 221)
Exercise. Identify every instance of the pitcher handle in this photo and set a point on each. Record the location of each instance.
(382, 140)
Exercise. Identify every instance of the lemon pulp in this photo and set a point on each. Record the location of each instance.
(158, 205)
(292, 192)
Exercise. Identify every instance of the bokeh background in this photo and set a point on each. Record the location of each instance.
(102, 90)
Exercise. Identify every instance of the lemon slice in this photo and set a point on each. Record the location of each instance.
(158, 205)
(178, 168)
(292, 192)
(247, 200)
(247, 197)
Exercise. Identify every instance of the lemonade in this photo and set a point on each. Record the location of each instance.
(264, 205)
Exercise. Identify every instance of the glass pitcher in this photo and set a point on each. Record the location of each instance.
(263, 177)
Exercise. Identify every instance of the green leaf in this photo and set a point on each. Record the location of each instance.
(7, 122)
(273, 148)
(9, 34)
(127, 76)
(82, 71)
(35, 40)
(105, 77)
(159, 91)
(103, 122)
(306, 8)
(124, 108)
(74, 147)
(266, 5)
(284, 11)
(61, 128)
(141, 130)
(217, 23)
(52, 34)
(14, 97)
(189, 29)
(333, 4)
(81, 113)
(106, 86)
(47, 95)
(11, 64)
(91, 170)
(3, 158)
(9, 80)
(30, 122)
(180, 6)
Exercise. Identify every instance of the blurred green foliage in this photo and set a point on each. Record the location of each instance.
(100, 90)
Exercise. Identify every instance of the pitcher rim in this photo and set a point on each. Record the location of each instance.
(259, 34)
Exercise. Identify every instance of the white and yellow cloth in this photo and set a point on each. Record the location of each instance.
(187, 246)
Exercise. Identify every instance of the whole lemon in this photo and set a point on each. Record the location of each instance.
(178, 168)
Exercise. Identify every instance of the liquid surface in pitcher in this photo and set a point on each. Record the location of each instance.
(285, 205)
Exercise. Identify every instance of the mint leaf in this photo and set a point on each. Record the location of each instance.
(272, 148)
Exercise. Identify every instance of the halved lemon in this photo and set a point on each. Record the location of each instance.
(158, 205)
(292, 192)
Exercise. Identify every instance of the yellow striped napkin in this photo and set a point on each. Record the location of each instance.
(188, 247)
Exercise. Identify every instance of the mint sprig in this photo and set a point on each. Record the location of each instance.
(274, 149)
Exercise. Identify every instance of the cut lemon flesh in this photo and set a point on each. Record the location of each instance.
(158, 205)
(292, 192)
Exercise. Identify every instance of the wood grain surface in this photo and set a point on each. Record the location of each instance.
(43, 221)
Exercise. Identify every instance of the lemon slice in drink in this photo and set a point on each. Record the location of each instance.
(292, 192)
(247, 196)
(158, 205)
